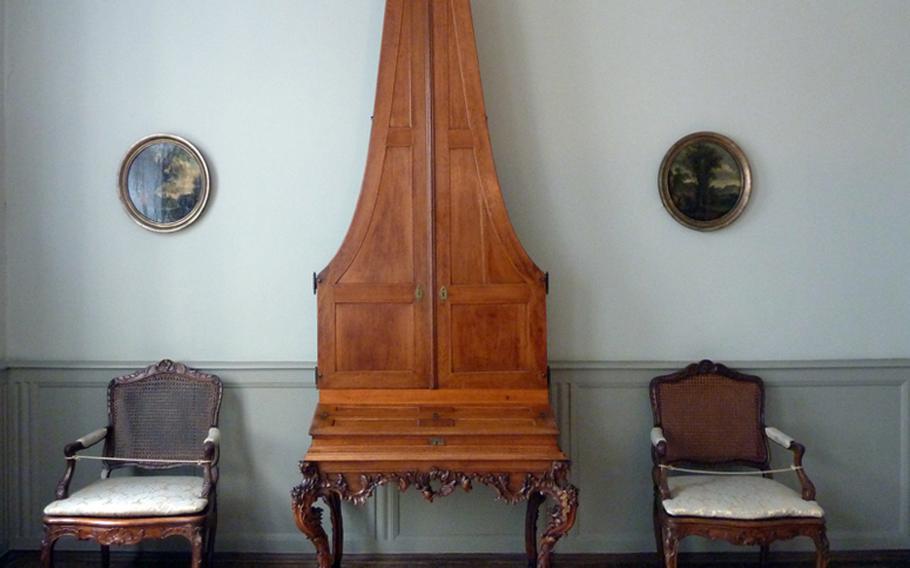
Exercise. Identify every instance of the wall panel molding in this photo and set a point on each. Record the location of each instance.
(603, 413)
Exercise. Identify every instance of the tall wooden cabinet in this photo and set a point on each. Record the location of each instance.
(431, 287)
(432, 358)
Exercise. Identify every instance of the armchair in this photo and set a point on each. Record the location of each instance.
(162, 417)
(709, 421)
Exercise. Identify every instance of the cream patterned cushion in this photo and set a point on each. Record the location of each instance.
(735, 497)
(134, 497)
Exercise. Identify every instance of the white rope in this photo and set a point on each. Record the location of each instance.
(139, 460)
(715, 472)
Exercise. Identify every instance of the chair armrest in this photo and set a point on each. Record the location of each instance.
(778, 437)
(70, 450)
(658, 451)
(214, 436)
(211, 449)
(212, 444)
(799, 450)
(657, 436)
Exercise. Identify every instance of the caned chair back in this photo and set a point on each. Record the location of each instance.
(711, 415)
(162, 412)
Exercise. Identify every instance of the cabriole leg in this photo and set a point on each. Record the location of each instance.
(211, 529)
(562, 517)
(197, 544)
(531, 515)
(658, 533)
(308, 517)
(821, 549)
(334, 501)
(47, 548)
(671, 544)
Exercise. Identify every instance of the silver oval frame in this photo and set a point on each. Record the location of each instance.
(745, 176)
(123, 184)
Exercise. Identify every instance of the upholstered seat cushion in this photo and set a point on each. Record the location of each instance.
(735, 497)
(134, 497)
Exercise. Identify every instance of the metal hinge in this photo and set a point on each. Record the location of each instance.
(315, 282)
(316, 375)
(546, 282)
(548, 376)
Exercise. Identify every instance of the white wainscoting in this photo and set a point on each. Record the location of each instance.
(854, 417)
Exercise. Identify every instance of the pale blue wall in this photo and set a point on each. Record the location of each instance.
(584, 98)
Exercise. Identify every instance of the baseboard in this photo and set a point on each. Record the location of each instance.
(878, 558)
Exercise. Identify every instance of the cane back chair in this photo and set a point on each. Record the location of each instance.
(709, 420)
(162, 417)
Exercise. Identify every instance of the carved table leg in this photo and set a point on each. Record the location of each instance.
(334, 502)
(658, 533)
(534, 501)
(308, 517)
(562, 517)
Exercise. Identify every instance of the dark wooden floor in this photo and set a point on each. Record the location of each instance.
(865, 559)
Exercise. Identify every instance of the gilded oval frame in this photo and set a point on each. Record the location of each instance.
(745, 179)
(124, 180)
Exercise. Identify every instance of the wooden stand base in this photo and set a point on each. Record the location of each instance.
(434, 482)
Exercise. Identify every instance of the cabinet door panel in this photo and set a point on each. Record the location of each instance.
(491, 319)
(375, 297)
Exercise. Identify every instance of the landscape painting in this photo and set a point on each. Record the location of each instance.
(164, 183)
(705, 181)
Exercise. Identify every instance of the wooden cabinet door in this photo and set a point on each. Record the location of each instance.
(490, 297)
(375, 298)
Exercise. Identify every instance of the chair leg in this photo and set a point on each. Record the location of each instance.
(821, 549)
(658, 533)
(210, 544)
(763, 555)
(196, 541)
(211, 529)
(105, 556)
(670, 545)
(47, 548)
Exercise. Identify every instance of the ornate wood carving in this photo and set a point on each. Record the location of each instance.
(741, 392)
(748, 533)
(198, 529)
(131, 531)
(432, 361)
(432, 484)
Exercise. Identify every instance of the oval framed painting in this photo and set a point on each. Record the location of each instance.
(164, 183)
(705, 181)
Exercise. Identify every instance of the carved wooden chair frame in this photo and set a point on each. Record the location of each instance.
(670, 529)
(199, 528)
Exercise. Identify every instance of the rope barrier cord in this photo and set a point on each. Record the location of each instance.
(715, 472)
(140, 460)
